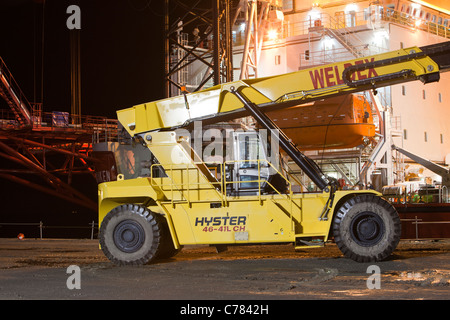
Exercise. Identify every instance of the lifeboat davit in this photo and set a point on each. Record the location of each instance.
(334, 123)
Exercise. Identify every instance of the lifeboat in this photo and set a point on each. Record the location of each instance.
(334, 123)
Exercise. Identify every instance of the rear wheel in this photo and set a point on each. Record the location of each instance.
(131, 235)
(366, 228)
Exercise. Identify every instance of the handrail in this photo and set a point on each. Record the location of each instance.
(443, 194)
(179, 186)
(395, 16)
(102, 129)
(224, 198)
(302, 27)
(170, 168)
(16, 92)
(92, 225)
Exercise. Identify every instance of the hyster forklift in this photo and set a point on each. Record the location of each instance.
(177, 199)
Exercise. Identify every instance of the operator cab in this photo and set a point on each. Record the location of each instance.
(249, 170)
(252, 168)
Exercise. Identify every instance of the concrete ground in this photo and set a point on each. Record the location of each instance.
(38, 269)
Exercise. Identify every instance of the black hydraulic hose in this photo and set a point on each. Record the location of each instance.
(440, 53)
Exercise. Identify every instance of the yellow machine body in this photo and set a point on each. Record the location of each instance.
(194, 199)
(199, 211)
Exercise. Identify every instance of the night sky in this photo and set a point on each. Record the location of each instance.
(122, 52)
(122, 56)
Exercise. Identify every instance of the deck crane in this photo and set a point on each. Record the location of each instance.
(180, 200)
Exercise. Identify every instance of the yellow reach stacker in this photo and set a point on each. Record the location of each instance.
(178, 199)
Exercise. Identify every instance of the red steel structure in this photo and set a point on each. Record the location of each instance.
(54, 146)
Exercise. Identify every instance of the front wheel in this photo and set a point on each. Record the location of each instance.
(366, 228)
(131, 235)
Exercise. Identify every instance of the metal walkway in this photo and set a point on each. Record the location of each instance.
(11, 93)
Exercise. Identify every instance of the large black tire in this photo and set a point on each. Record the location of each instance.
(366, 228)
(131, 235)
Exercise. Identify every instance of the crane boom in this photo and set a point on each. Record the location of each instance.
(275, 92)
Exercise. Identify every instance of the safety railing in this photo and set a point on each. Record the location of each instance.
(416, 23)
(102, 129)
(92, 226)
(418, 222)
(321, 57)
(168, 183)
(218, 184)
(352, 19)
(323, 20)
(19, 101)
(443, 194)
(259, 181)
(8, 120)
(410, 193)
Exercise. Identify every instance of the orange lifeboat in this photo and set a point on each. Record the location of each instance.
(334, 123)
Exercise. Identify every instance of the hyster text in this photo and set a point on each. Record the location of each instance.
(220, 221)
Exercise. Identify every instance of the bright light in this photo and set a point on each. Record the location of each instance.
(351, 7)
(242, 26)
(382, 33)
(380, 36)
(314, 14)
(328, 44)
(418, 22)
(272, 34)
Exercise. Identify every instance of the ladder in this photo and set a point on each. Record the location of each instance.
(14, 97)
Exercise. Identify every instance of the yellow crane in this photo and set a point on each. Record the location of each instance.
(180, 199)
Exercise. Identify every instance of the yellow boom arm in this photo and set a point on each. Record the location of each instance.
(216, 103)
